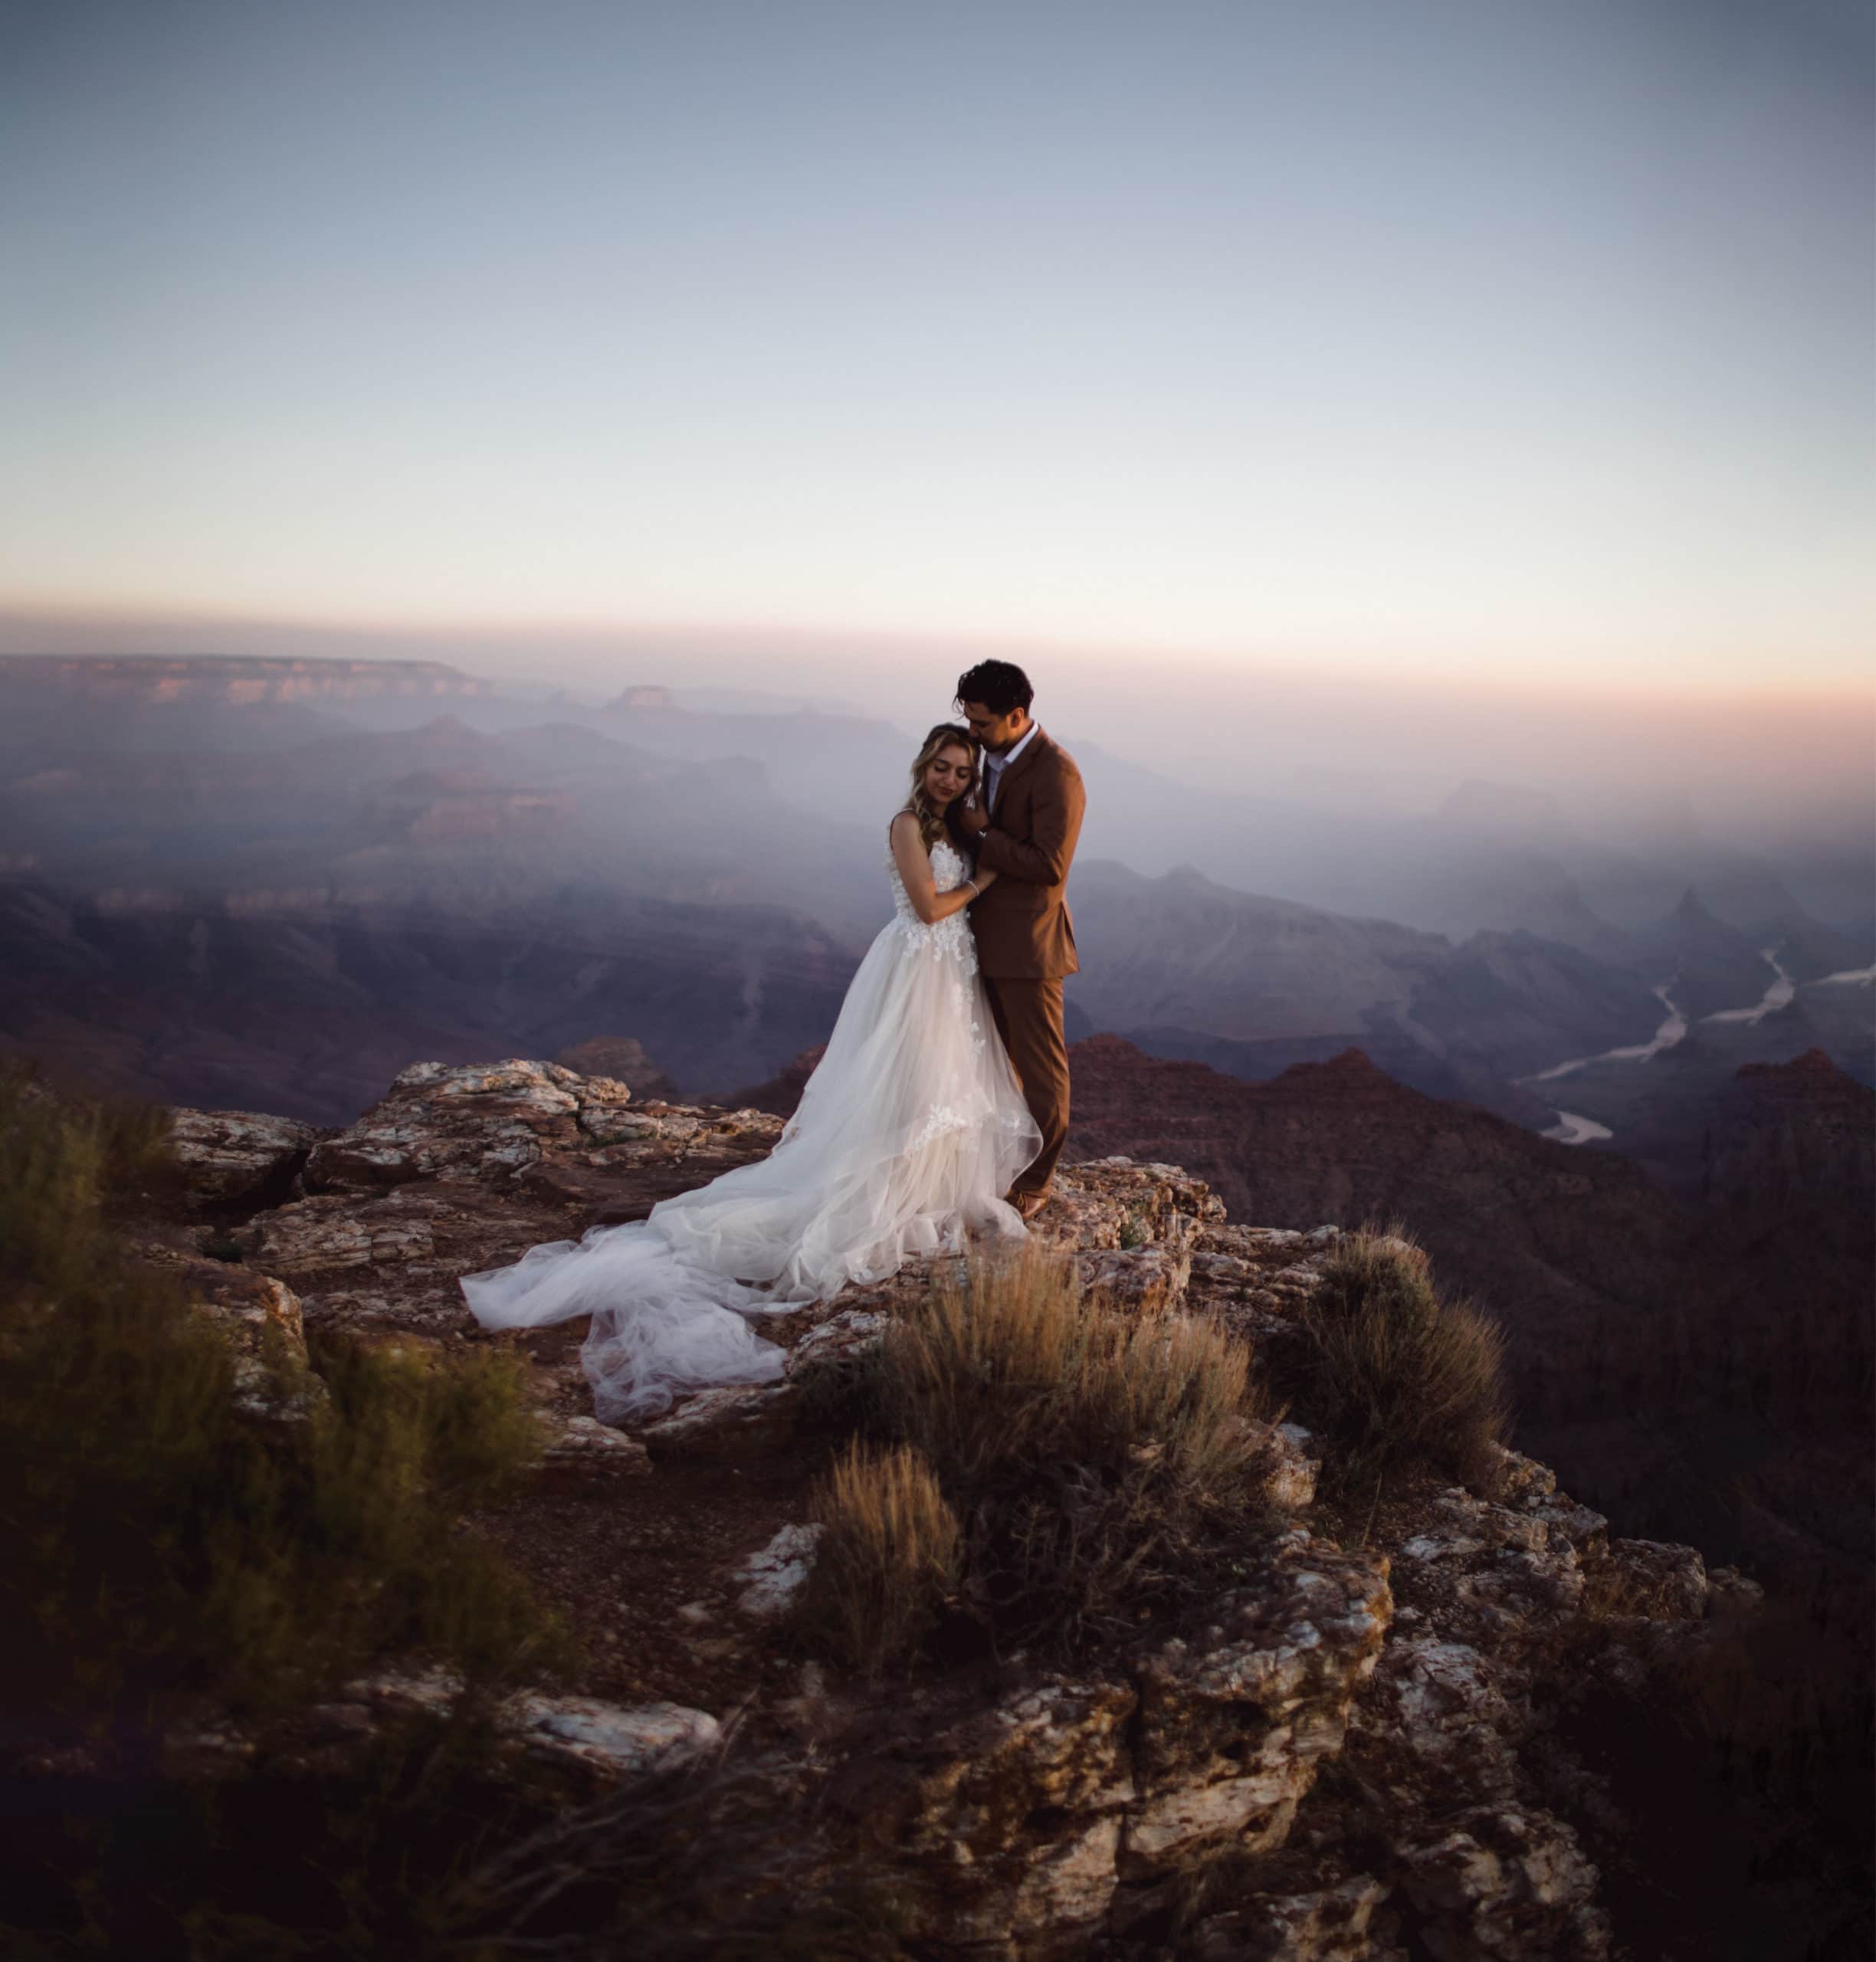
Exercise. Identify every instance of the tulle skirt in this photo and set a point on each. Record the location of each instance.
(908, 1135)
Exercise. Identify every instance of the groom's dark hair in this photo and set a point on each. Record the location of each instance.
(1000, 685)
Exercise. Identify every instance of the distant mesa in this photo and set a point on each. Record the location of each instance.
(236, 680)
(1347, 1067)
(649, 696)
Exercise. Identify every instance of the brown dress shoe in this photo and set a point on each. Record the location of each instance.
(1029, 1204)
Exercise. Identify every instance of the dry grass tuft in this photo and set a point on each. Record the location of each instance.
(1007, 1363)
(1091, 1454)
(888, 1558)
(1396, 1374)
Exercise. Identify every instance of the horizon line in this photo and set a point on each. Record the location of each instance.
(1397, 666)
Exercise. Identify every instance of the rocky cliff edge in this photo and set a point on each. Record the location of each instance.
(1371, 1723)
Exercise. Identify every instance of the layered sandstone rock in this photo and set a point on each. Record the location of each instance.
(231, 1154)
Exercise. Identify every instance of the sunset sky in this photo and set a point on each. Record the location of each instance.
(1458, 335)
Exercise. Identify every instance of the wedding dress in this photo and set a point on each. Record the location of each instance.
(908, 1135)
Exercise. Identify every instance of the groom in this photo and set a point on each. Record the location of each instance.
(1023, 823)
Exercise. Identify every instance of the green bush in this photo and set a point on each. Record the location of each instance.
(159, 1552)
(1396, 1376)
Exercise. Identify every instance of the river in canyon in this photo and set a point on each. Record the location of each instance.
(1572, 1128)
(1665, 1037)
(1777, 996)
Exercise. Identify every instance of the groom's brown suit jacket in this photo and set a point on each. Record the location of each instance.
(1021, 924)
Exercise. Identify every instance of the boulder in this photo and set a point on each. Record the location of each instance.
(608, 1741)
(226, 1155)
(775, 1575)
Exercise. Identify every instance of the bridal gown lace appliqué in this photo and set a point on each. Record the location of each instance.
(908, 1134)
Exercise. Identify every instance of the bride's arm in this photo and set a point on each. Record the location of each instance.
(914, 864)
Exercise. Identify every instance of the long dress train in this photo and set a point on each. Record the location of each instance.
(907, 1136)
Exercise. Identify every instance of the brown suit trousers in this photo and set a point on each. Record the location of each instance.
(1028, 1016)
(1025, 939)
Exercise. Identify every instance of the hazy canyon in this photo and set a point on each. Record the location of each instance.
(1620, 1087)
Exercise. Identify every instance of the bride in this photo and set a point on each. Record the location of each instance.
(906, 1139)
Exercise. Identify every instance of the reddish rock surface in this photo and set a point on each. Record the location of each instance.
(1794, 1134)
(1540, 1230)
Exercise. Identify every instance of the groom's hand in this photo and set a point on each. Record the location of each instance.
(973, 820)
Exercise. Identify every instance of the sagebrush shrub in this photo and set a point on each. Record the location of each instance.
(1089, 1453)
(1396, 1373)
(158, 1548)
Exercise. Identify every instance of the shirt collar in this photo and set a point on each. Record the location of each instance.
(1009, 756)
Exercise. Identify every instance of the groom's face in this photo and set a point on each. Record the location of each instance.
(996, 732)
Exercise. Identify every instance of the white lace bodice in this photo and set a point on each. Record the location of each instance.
(950, 937)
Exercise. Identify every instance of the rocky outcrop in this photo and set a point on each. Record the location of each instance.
(1360, 1729)
(453, 1124)
(236, 1154)
(457, 1169)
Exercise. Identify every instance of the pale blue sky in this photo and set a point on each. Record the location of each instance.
(1443, 332)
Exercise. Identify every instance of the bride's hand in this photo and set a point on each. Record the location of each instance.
(983, 879)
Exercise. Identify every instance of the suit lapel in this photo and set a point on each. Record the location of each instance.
(1012, 771)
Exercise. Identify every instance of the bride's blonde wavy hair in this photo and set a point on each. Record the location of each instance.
(947, 735)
